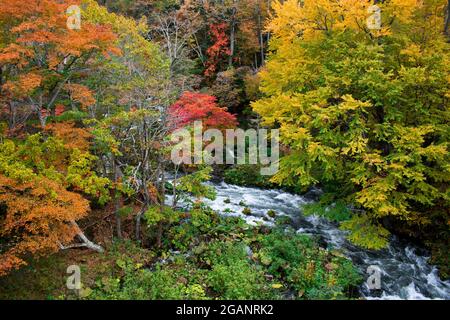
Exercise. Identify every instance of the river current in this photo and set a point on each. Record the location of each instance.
(404, 269)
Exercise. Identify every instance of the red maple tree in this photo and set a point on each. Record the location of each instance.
(219, 49)
(193, 106)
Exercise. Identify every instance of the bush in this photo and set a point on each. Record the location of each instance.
(203, 224)
(336, 211)
(141, 285)
(233, 275)
(247, 175)
(223, 258)
(312, 271)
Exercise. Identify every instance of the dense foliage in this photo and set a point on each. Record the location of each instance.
(42, 183)
(234, 261)
(366, 110)
(87, 113)
(191, 107)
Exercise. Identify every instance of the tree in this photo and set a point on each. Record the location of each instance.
(42, 59)
(38, 219)
(139, 138)
(38, 213)
(219, 50)
(363, 109)
(447, 20)
(229, 88)
(210, 35)
(130, 121)
(193, 106)
(251, 38)
(139, 76)
(175, 31)
(191, 185)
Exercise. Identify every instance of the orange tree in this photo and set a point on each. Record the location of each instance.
(44, 185)
(42, 60)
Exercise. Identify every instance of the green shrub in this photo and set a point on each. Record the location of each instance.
(203, 224)
(337, 211)
(271, 213)
(312, 271)
(247, 175)
(223, 258)
(233, 275)
(141, 285)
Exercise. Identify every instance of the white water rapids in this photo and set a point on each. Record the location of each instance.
(405, 273)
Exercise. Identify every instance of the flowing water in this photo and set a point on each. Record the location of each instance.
(405, 273)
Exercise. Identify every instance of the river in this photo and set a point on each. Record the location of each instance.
(405, 273)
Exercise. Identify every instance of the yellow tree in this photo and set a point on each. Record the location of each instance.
(42, 183)
(364, 107)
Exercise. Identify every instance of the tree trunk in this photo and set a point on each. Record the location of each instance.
(260, 36)
(447, 20)
(86, 242)
(268, 14)
(42, 118)
(12, 115)
(174, 188)
(118, 218)
(232, 35)
(159, 235)
(138, 223)
(117, 200)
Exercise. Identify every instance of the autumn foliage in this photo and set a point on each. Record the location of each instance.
(192, 106)
(72, 136)
(42, 58)
(220, 48)
(45, 182)
(366, 110)
(39, 216)
(86, 115)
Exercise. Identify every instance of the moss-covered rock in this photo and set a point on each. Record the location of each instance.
(271, 213)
